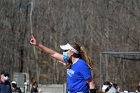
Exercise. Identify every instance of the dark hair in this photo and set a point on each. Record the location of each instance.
(106, 83)
(115, 85)
(5, 73)
(82, 54)
(109, 85)
(34, 83)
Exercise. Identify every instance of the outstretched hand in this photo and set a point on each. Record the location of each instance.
(33, 41)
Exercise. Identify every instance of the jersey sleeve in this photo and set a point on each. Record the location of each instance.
(85, 70)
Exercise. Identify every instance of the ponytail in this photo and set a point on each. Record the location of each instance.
(85, 56)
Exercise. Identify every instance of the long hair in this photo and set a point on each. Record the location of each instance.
(86, 57)
(82, 54)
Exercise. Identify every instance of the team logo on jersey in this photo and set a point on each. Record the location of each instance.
(70, 72)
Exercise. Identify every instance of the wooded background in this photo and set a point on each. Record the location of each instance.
(98, 25)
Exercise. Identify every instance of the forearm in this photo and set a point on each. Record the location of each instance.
(45, 49)
(91, 83)
(51, 52)
(91, 86)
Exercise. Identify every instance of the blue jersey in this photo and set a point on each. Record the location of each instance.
(77, 76)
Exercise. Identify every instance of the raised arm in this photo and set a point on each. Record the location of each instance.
(47, 50)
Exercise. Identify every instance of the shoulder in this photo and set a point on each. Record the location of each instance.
(112, 90)
(1, 84)
(82, 62)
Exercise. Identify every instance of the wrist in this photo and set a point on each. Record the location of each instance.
(92, 90)
(37, 44)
